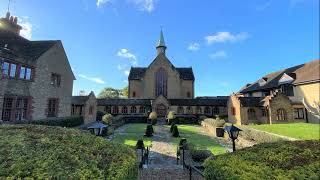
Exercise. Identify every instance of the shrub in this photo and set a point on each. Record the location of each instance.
(280, 160)
(200, 155)
(140, 144)
(171, 116)
(172, 126)
(154, 121)
(149, 131)
(202, 117)
(107, 119)
(100, 114)
(153, 117)
(215, 122)
(43, 152)
(63, 122)
(175, 131)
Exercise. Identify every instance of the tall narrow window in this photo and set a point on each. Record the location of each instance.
(207, 110)
(124, 110)
(55, 79)
(251, 114)
(52, 107)
(133, 109)
(25, 73)
(161, 82)
(7, 108)
(180, 110)
(216, 110)
(281, 114)
(90, 110)
(142, 109)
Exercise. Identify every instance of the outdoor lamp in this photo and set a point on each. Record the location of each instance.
(96, 128)
(233, 132)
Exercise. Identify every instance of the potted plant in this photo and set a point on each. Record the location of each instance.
(219, 123)
(175, 131)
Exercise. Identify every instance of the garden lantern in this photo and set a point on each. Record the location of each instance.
(233, 132)
(96, 128)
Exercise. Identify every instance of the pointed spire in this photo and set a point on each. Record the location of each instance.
(161, 42)
(161, 46)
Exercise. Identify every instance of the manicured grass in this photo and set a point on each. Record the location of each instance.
(131, 134)
(193, 135)
(294, 130)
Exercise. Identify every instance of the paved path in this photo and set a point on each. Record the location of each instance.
(162, 158)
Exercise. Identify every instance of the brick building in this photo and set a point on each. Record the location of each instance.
(162, 87)
(36, 79)
(288, 95)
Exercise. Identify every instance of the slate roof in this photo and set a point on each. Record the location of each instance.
(123, 102)
(18, 46)
(137, 73)
(251, 101)
(79, 100)
(302, 73)
(199, 102)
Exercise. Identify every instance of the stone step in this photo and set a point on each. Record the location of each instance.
(163, 174)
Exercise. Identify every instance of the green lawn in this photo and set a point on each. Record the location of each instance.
(131, 134)
(192, 134)
(295, 130)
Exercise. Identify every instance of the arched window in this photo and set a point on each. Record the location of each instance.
(161, 82)
(124, 110)
(115, 110)
(108, 109)
(142, 109)
(216, 110)
(133, 109)
(189, 110)
(199, 110)
(281, 114)
(207, 110)
(188, 94)
(134, 94)
(180, 110)
(251, 114)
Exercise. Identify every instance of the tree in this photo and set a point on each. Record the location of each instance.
(109, 92)
(125, 92)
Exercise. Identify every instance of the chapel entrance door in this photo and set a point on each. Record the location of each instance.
(161, 110)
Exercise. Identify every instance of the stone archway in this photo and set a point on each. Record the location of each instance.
(161, 110)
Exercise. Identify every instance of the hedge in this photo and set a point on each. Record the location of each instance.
(280, 160)
(185, 119)
(43, 152)
(63, 122)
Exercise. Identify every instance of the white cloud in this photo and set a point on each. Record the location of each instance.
(26, 30)
(126, 54)
(93, 79)
(194, 47)
(99, 3)
(145, 5)
(220, 37)
(127, 72)
(218, 54)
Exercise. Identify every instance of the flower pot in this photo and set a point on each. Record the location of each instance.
(219, 132)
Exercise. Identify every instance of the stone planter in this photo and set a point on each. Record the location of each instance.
(219, 132)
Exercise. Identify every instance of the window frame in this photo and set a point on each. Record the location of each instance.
(300, 113)
(55, 80)
(54, 107)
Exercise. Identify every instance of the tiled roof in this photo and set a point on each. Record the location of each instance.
(303, 73)
(137, 73)
(123, 102)
(14, 45)
(251, 101)
(79, 100)
(199, 102)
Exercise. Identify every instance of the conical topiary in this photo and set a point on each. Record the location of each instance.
(171, 127)
(175, 132)
(149, 131)
(140, 144)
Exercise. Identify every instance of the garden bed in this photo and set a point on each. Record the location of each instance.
(44, 152)
(280, 160)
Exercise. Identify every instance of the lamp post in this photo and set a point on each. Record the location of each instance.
(96, 128)
(233, 132)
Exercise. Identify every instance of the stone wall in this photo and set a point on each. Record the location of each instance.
(90, 103)
(278, 102)
(234, 102)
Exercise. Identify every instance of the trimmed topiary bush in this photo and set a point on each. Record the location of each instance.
(153, 117)
(43, 152)
(175, 131)
(280, 160)
(107, 119)
(199, 155)
(171, 127)
(170, 117)
(140, 144)
(149, 131)
(63, 122)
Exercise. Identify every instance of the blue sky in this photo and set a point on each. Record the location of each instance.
(228, 43)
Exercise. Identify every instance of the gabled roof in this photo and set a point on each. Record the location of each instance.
(79, 100)
(137, 73)
(199, 102)
(13, 45)
(303, 73)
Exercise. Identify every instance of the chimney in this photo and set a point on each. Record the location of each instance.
(10, 23)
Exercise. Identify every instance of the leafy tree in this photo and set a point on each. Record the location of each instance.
(170, 117)
(107, 118)
(153, 117)
(125, 92)
(109, 92)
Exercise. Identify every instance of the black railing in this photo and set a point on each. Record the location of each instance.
(144, 157)
(195, 172)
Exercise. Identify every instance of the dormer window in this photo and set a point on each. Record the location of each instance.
(262, 81)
